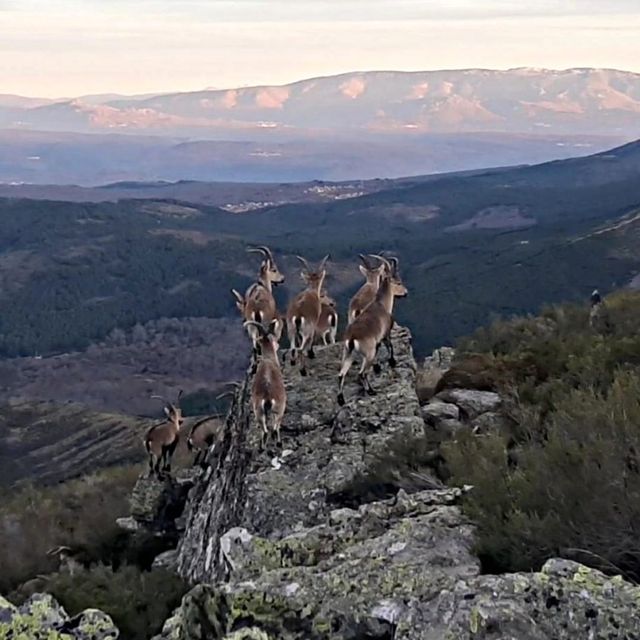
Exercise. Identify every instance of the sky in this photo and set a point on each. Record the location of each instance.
(63, 48)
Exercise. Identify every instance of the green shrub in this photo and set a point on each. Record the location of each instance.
(574, 491)
(138, 601)
(80, 514)
(563, 479)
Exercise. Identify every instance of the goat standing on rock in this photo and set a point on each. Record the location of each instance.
(367, 292)
(268, 394)
(304, 312)
(258, 303)
(371, 328)
(162, 439)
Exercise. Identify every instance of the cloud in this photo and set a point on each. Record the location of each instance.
(68, 47)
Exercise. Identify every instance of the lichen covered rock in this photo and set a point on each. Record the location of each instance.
(276, 492)
(396, 587)
(42, 618)
(345, 578)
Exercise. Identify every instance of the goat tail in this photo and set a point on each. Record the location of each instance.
(297, 323)
(267, 405)
(351, 345)
(333, 320)
(189, 444)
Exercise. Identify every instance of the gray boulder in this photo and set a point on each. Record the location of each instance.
(471, 402)
(436, 410)
(42, 618)
(432, 370)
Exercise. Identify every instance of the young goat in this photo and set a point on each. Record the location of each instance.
(328, 321)
(258, 303)
(162, 439)
(304, 312)
(268, 394)
(367, 292)
(203, 434)
(371, 328)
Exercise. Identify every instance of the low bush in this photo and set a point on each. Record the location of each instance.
(564, 480)
(80, 514)
(138, 601)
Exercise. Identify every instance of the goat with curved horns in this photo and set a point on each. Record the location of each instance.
(162, 439)
(304, 312)
(258, 303)
(371, 328)
(268, 394)
(367, 292)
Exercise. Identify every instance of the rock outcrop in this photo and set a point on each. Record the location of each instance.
(157, 505)
(42, 618)
(325, 449)
(282, 547)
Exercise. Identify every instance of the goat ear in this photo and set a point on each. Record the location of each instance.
(363, 271)
(167, 411)
(239, 298)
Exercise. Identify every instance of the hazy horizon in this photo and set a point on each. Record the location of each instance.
(66, 48)
(301, 79)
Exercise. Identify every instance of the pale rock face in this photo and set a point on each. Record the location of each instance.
(472, 402)
(437, 410)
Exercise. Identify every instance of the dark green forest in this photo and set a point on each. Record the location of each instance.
(70, 273)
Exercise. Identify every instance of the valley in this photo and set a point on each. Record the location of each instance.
(95, 294)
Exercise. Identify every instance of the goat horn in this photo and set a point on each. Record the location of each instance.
(324, 262)
(237, 295)
(263, 250)
(305, 263)
(253, 323)
(383, 260)
(364, 261)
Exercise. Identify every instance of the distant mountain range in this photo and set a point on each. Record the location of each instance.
(354, 125)
(522, 100)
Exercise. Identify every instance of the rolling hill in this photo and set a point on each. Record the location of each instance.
(501, 241)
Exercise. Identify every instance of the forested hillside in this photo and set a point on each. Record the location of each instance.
(498, 242)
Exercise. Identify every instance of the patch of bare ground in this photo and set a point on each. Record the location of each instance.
(169, 210)
(193, 236)
(45, 442)
(121, 373)
(499, 217)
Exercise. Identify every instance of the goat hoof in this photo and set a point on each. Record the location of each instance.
(303, 372)
(372, 392)
(377, 368)
(311, 355)
(340, 399)
(392, 362)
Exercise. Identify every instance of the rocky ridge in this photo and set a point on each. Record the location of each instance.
(281, 544)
